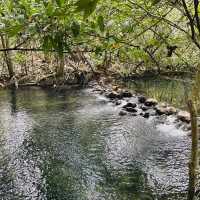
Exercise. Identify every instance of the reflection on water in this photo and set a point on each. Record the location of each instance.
(72, 145)
(164, 90)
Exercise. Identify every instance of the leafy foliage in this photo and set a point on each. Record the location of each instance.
(136, 33)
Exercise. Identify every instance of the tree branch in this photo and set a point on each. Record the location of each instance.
(196, 5)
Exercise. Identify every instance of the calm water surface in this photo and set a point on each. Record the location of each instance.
(73, 145)
(174, 91)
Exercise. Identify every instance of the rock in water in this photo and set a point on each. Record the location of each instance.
(184, 116)
(134, 114)
(126, 94)
(115, 87)
(171, 110)
(113, 95)
(146, 115)
(142, 99)
(151, 102)
(122, 113)
(130, 109)
(118, 102)
(144, 108)
(162, 109)
(129, 104)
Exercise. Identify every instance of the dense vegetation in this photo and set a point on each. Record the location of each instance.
(127, 37)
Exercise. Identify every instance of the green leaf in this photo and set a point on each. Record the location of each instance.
(13, 30)
(154, 2)
(82, 5)
(60, 3)
(49, 9)
(101, 24)
(98, 50)
(138, 53)
(75, 27)
(47, 43)
(58, 43)
(153, 42)
(86, 6)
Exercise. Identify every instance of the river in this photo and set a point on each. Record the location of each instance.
(73, 145)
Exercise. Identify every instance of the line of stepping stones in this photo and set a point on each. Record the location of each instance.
(145, 107)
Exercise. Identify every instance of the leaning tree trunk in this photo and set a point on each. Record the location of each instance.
(193, 165)
(7, 56)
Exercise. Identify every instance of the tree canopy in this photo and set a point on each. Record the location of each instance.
(155, 34)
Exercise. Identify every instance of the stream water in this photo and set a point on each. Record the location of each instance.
(73, 145)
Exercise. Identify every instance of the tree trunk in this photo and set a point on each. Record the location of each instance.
(7, 56)
(193, 165)
(60, 67)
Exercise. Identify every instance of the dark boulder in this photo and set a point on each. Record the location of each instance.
(142, 99)
(184, 116)
(146, 115)
(134, 114)
(118, 102)
(130, 109)
(126, 94)
(144, 108)
(142, 113)
(113, 95)
(122, 113)
(98, 89)
(129, 104)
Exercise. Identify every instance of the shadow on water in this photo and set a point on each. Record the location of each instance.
(72, 145)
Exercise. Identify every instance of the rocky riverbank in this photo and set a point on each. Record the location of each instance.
(133, 104)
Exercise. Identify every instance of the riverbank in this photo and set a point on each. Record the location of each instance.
(50, 80)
